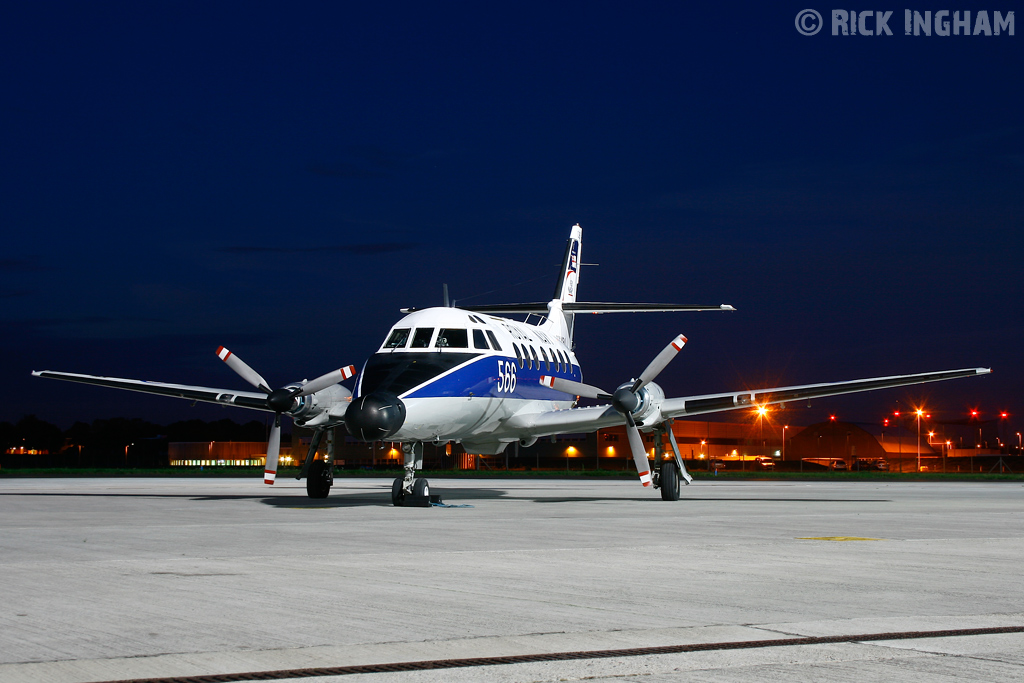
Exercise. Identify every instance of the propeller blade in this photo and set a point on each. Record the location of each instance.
(659, 363)
(240, 366)
(636, 444)
(575, 388)
(324, 381)
(273, 450)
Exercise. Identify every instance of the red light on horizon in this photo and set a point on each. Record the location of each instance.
(1003, 415)
(897, 413)
(832, 417)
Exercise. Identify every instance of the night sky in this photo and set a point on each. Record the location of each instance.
(281, 179)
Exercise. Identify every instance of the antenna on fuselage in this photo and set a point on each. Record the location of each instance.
(444, 290)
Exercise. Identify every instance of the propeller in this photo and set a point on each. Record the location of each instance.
(625, 400)
(280, 400)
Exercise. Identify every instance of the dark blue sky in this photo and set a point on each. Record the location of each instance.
(281, 180)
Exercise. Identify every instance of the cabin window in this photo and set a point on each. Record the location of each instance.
(421, 339)
(479, 341)
(452, 338)
(398, 339)
(494, 341)
(561, 362)
(519, 355)
(534, 358)
(547, 361)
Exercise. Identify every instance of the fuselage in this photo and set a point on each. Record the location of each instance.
(461, 375)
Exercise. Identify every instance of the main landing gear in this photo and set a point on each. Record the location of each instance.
(672, 470)
(407, 490)
(318, 473)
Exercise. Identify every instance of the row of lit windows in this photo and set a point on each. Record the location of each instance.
(255, 462)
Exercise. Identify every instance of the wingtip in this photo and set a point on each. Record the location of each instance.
(727, 307)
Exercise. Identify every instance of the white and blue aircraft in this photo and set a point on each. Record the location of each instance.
(474, 376)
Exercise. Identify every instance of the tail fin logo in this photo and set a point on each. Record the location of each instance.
(571, 274)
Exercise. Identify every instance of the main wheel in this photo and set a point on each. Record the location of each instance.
(319, 480)
(398, 491)
(669, 481)
(421, 488)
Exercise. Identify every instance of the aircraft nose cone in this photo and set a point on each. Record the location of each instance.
(375, 416)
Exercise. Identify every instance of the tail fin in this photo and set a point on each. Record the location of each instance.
(565, 290)
(560, 323)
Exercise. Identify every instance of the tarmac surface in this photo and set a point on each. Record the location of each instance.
(113, 579)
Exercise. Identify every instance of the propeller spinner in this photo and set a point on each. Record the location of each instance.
(280, 400)
(625, 400)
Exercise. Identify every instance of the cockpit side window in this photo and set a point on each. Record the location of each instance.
(421, 339)
(547, 361)
(452, 338)
(398, 339)
(494, 341)
(479, 341)
(519, 355)
(534, 358)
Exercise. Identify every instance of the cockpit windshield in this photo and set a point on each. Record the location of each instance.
(421, 340)
(449, 338)
(398, 339)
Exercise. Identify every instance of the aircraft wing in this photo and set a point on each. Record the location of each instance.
(243, 399)
(598, 417)
(714, 403)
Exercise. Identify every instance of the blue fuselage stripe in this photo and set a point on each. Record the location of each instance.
(481, 377)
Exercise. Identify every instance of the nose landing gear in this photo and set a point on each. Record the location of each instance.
(408, 491)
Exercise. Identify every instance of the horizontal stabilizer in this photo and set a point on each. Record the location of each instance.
(588, 307)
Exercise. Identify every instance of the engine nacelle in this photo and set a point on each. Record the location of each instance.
(322, 406)
(649, 401)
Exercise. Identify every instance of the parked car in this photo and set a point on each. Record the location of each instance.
(717, 464)
(764, 462)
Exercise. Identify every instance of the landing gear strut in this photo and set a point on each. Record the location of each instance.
(319, 474)
(407, 489)
(671, 471)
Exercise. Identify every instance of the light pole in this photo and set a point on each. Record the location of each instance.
(784, 428)
(920, 413)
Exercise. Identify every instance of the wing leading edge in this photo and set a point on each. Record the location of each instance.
(243, 399)
(598, 417)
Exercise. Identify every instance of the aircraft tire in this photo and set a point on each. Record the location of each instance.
(318, 482)
(421, 488)
(669, 481)
(398, 492)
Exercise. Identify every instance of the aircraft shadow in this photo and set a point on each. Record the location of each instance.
(382, 498)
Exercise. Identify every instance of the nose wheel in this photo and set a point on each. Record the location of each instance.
(408, 490)
(418, 497)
